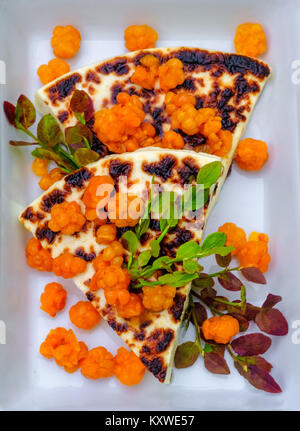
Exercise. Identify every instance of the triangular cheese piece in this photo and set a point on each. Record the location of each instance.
(229, 83)
(153, 337)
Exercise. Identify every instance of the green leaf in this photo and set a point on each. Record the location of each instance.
(208, 348)
(76, 136)
(49, 131)
(131, 240)
(25, 112)
(163, 224)
(144, 258)
(162, 262)
(189, 249)
(177, 279)
(209, 174)
(142, 227)
(42, 153)
(155, 248)
(216, 239)
(203, 281)
(222, 251)
(84, 156)
(191, 266)
(186, 354)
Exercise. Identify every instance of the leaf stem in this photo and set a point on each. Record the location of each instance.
(198, 340)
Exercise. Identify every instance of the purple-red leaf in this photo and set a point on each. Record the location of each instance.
(243, 322)
(254, 274)
(215, 363)
(186, 354)
(259, 361)
(219, 305)
(259, 378)
(200, 313)
(10, 112)
(81, 103)
(251, 344)
(230, 282)
(223, 261)
(271, 300)
(25, 112)
(272, 321)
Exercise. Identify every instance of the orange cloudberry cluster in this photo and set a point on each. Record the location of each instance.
(171, 74)
(49, 178)
(221, 329)
(66, 218)
(84, 315)
(184, 116)
(146, 72)
(40, 167)
(250, 39)
(96, 196)
(54, 69)
(251, 252)
(111, 255)
(63, 345)
(67, 265)
(98, 363)
(140, 37)
(38, 257)
(129, 369)
(236, 236)
(65, 41)
(121, 127)
(251, 154)
(125, 209)
(132, 308)
(172, 140)
(158, 298)
(53, 299)
(106, 234)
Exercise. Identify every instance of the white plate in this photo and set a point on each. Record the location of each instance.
(266, 201)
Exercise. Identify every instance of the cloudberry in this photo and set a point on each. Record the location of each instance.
(251, 154)
(172, 140)
(158, 298)
(129, 369)
(255, 253)
(38, 257)
(53, 299)
(96, 196)
(133, 308)
(221, 329)
(125, 210)
(235, 236)
(49, 179)
(110, 277)
(106, 234)
(98, 363)
(54, 69)
(67, 265)
(40, 167)
(171, 74)
(66, 218)
(65, 41)
(140, 37)
(250, 39)
(84, 315)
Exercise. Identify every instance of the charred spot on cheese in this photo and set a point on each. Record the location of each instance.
(188, 84)
(242, 88)
(177, 307)
(56, 196)
(188, 170)
(63, 116)
(181, 236)
(233, 63)
(159, 340)
(78, 178)
(115, 90)
(118, 168)
(226, 95)
(118, 66)
(90, 296)
(192, 141)
(145, 237)
(88, 257)
(154, 225)
(31, 215)
(156, 367)
(162, 169)
(64, 87)
(158, 115)
(139, 335)
(44, 232)
(117, 326)
(91, 76)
